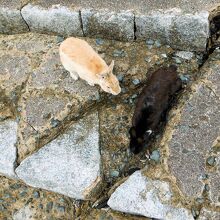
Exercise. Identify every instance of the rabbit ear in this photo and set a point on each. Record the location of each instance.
(111, 66)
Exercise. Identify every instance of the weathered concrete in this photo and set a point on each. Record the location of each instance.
(108, 24)
(22, 202)
(11, 21)
(70, 164)
(57, 19)
(8, 139)
(206, 214)
(143, 196)
(191, 138)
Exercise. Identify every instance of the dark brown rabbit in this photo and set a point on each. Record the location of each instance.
(152, 106)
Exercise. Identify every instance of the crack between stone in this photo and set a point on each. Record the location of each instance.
(81, 22)
(23, 17)
(135, 28)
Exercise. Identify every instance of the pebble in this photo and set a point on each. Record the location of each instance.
(120, 78)
(54, 122)
(207, 187)
(114, 173)
(135, 81)
(148, 59)
(60, 39)
(23, 194)
(155, 155)
(157, 43)
(164, 55)
(211, 161)
(184, 78)
(177, 60)
(36, 194)
(99, 41)
(118, 53)
(185, 55)
(150, 47)
(61, 208)
(149, 42)
(200, 200)
(49, 206)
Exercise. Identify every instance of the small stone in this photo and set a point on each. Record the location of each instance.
(177, 60)
(155, 156)
(120, 78)
(61, 208)
(99, 41)
(185, 55)
(54, 122)
(149, 42)
(23, 194)
(149, 47)
(49, 206)
(200, 200)
(135, 81)
(207, 187)
(134, 96)
(148, 59)
(211, 161)
(60, 39)
(118, 53)
(184, 78)
(36, 194)
(114, 173)
(164, 55)
(157, 43)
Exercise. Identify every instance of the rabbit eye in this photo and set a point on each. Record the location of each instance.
(108, 87)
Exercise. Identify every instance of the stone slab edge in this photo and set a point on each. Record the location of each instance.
(174, 27)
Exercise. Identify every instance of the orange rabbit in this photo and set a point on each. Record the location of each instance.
(79, 58)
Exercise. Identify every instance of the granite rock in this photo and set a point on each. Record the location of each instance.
(57, 19)
(70, 164)
(194, 132)
(8, 139)
(11, 21)
(108, 24)
(180, 30)
(147, 197)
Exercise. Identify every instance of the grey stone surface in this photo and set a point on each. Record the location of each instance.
(108, 24)
(181, 31)
(206, 214)
(57, 19)
(143, 196)
(25, 213)
(11, 21)
(8, 138)
(195, 131)
(140, 5)
(70, 164)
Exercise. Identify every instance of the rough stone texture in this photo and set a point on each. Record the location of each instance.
(8, 139)
(206, 214)
(142, 6)
(181, 31)
(70, 164)
(108, 24)
(17, 199)
(15, 69)
(11, 21)
(115, 122)
(194, 133)
(25, 213)
(57, 19)
(99, 214)
(143, 196)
